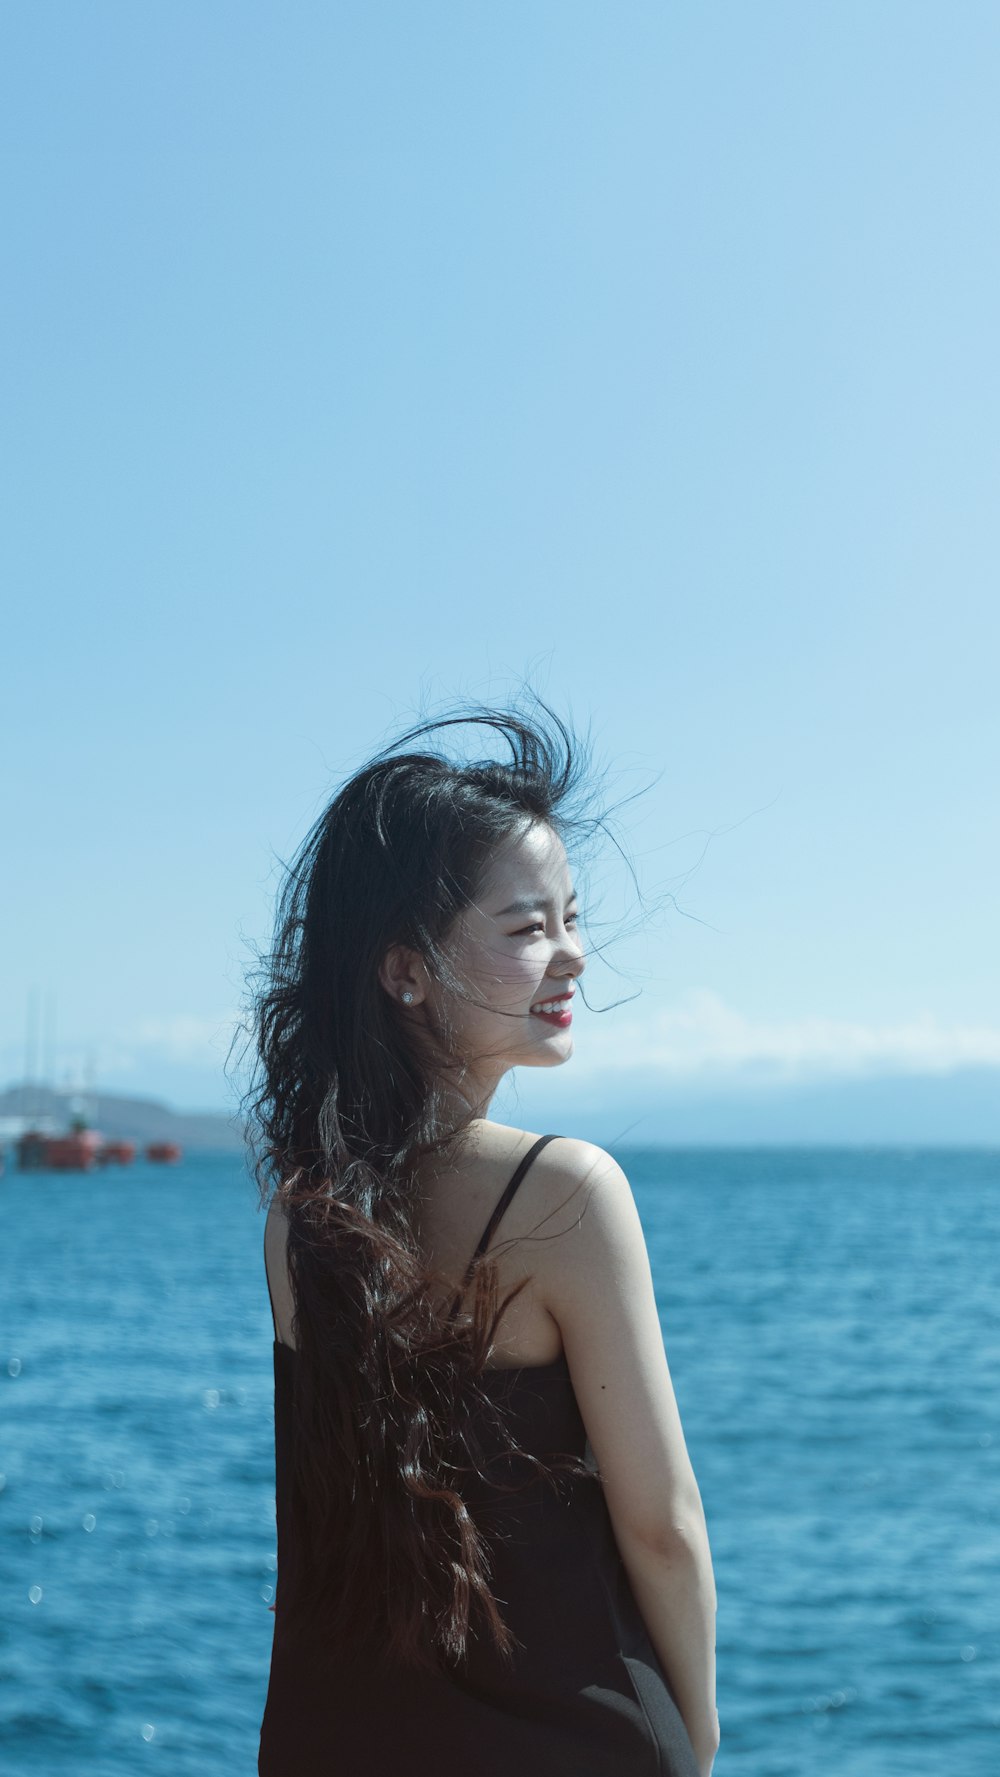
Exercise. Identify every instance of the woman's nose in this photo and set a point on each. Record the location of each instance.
(575, 959)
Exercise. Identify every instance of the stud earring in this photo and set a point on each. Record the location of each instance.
(406, 998)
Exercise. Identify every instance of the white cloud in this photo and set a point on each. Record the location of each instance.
(702, 1035)
(699, 1038)
(187, 1036)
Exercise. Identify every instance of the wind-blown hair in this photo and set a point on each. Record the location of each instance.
(343, 1108)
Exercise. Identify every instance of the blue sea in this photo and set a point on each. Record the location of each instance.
(832, 1323)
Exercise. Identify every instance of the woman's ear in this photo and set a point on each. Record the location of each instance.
(401, 974)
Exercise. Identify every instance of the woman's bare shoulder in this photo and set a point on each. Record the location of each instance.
(567, 1159)
(456, 1197)
(564, 1153)
(552, 1197)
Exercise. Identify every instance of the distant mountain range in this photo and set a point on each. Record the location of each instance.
(641, 1108)
(124, 1119)
(960, 1109)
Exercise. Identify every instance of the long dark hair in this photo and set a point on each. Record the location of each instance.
(387, 1391)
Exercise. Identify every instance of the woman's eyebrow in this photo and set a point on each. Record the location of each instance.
(529, 906)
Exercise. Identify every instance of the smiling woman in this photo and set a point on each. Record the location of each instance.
(520, 977)
(491, 1548)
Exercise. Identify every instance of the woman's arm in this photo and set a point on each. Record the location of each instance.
(675, 1591)
(596, 1282)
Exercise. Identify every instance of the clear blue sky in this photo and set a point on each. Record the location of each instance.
(360, 357)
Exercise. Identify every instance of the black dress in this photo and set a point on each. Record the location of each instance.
(586, 1695)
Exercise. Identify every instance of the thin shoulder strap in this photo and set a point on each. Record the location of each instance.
(505, 1201)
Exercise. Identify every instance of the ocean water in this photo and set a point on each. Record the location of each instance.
(832, 1322)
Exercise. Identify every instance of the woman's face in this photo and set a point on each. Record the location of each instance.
(515, 951)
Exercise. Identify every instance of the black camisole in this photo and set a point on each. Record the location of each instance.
(586, 1695)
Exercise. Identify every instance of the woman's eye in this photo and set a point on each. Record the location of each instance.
(526, 931)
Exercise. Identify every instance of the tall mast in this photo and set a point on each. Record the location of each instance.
(49, 1043)
(30, 1050)
(90, 1087)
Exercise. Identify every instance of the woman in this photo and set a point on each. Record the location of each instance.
(492, 1554)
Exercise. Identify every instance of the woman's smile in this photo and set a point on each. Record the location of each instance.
(554, 1011)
